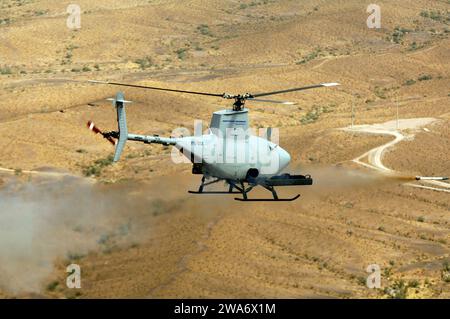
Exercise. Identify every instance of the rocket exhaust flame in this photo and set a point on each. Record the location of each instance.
(418, 178)
(431, 178)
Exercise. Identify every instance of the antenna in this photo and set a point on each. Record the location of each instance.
(396, 103)
(353, 110)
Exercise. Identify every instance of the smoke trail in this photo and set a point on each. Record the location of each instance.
(334, 178)
(41, 221)
(44, 220)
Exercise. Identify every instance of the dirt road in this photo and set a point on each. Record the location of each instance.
(375, 155)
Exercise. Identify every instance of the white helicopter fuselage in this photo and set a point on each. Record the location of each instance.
(233, 157)
(230, 150)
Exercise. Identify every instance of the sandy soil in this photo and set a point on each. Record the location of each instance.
(137, 233)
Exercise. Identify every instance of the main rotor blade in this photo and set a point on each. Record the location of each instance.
(296, 89)
(272, 101)
(156, 88)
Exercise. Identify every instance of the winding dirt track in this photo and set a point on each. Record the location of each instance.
(375, 155)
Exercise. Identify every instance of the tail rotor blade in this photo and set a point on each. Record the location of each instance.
(96, 130)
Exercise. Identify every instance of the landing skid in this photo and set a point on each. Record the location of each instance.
(267, 199)
(212, 192)
(285, 180)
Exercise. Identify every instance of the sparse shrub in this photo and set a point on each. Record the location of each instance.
(314, 114)
(310, 56)
(73, 294)
(78, 229)
(124, 229)
(398, 290)
(105, 161)
(5, 70)
(52, 286)
(424, 14)
(144, 63)
(103, 240)
(362, 281)
(72, 47)
(446, 266)
(181, 53)
(92, 170)
(204, 30)
(86, 69)
(396, 37)
(445, 274)
(5, 21)
(414, 46)
(435, 15)
(96, 168)
(421, 219)
(425, 77)
(131, 156)
(380, 92)
(74, 256)
(40, 12)
(398, 34)
(310, 117)
(414, 283)
(410, 82)
(348, 205)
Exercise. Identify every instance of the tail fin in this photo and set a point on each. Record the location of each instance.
(119, 103)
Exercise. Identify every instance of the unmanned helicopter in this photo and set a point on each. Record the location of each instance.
(228, 152)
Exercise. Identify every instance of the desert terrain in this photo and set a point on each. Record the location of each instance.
(133, 228)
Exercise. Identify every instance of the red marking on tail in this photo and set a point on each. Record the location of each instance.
(96, 130)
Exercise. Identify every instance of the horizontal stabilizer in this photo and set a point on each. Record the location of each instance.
(119, 99)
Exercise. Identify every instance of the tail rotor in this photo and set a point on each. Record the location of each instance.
(116, 138)
(96, 130)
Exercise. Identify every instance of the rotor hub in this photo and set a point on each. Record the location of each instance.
(239, 100)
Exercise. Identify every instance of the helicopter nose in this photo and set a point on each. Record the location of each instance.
(285, 158)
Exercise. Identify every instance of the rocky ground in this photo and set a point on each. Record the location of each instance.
(133, 228)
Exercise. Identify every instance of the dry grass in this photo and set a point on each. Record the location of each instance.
(316, 247)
